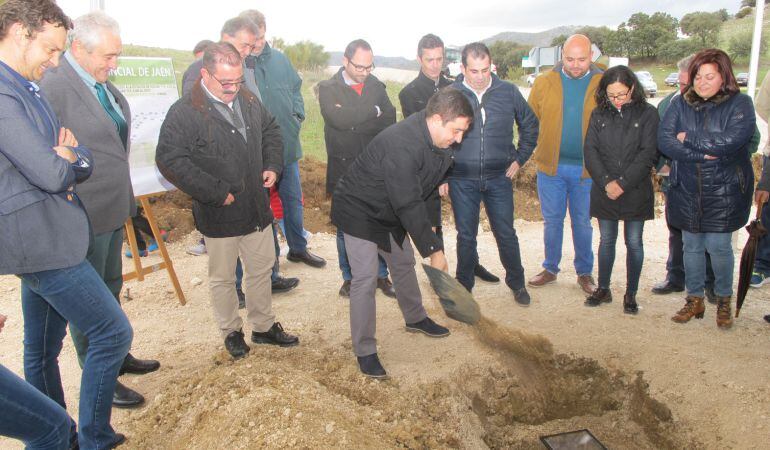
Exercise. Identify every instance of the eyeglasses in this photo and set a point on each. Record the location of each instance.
(226, 84)
(621, 96)
(361, 68)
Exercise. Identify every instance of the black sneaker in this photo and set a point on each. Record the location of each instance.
(241, 298)
(236, 345)
(599, 296)
(275, 336)
(371, 367)
(428, 327)
(521, 296)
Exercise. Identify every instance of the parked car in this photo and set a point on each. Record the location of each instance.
(649, 85)
(672, 79)
(742, 79)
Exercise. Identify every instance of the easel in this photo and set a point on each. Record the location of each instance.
(139, 271)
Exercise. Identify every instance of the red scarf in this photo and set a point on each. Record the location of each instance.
(359, 88)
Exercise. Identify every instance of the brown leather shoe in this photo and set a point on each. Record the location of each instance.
(586, 283)
(724, 315)
(693, 307)
(541, 279)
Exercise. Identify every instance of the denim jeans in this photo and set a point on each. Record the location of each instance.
(762, 259)
(719, 246)
(290, 192)
(31, 417)
(342, 255)
(497, 195)
(50, 299)
(632, 234)
(558, 193)
(276, 267)
(675, 261)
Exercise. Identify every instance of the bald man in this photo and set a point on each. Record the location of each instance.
(563, 100)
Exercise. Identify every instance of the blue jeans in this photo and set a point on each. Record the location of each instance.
(497, 195)
(342, 255)
(50, 299)
(557, 193)
(632, 234)
(290, 192)
(31, 417)
(675, 261)
(762, 259)
(276, 269)
(719, 246)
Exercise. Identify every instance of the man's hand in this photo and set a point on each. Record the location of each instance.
(443, 189)
(229, 200)
(67, 138)
(511, 172)
(761, 196)
(2, 321)
(613, 189)
(66, 153)
(438, 261)
(681, 136)
(269, 178)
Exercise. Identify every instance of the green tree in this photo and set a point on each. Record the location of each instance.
(743, 13)
(278, 43)
(723, 15)
(598, 35)
(306, 55)
(739, 46)
(703, 25)
(751, 3)
(559, 40)
(507, 57)
(648, 33)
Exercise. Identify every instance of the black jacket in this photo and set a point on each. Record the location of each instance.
(351, 121)
(487, 150)
(386, 189)
(709, 196)
(206, 157)
(415, 95)
(622, 146)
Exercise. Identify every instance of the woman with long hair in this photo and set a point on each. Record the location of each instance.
(619, 151)
(706, 132)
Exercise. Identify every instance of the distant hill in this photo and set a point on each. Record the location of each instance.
(541, 39)
(395, 62)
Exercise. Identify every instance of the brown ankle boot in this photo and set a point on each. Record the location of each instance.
(724, 315)
(693, 307)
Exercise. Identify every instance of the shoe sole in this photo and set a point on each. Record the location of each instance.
(762, 283)
(300, 260)
(260, 341)
(417, 330)
(488, 280)
(524, 305)
(282, 290)
(128, 405)
(529, 283)
(377, 377)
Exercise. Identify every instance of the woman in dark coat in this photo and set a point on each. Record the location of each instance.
(619, 151)
(706, 132)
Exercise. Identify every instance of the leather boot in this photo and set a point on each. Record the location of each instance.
(693, 307)
(724, 315)
(629, 303)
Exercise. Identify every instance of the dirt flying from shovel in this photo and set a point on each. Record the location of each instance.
(312, 396)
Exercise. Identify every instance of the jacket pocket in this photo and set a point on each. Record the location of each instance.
(21, 200)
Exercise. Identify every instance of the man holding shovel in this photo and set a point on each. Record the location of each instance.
(385, 195)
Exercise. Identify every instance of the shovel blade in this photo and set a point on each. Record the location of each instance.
(457, 302)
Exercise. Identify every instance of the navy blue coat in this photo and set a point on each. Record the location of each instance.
(487, 150)
(709, 196)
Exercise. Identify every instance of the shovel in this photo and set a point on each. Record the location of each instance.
(457, 302)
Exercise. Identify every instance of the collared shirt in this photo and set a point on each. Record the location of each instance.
(90, 82)
(230, 111)
(479, 96)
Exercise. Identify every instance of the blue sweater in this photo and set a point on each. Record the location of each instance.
(571, 148)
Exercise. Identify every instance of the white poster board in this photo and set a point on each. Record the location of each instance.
(149, 85)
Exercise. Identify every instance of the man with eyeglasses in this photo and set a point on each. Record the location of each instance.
(221, 146)
(355, 107)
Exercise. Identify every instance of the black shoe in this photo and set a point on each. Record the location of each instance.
(767, 318)
(629, 304)
(275, 336)
(711, 296)
(386, 287)
(599, 296)
(125, 397)
(281, 284)
(428, 327)
(241, 298)
(307, 258)
(120, 439)
(485, 275)
(371, 367)
(666, 287)
(345, 289)
(236, 345)
(138, 366)
(521, 296)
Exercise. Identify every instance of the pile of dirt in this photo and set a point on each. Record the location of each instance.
(312, 397)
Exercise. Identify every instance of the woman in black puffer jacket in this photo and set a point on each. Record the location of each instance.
(619, 151)
(706, 132)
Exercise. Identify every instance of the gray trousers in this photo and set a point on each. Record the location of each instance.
(364, 265)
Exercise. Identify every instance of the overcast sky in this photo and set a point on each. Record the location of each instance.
(392, 27)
